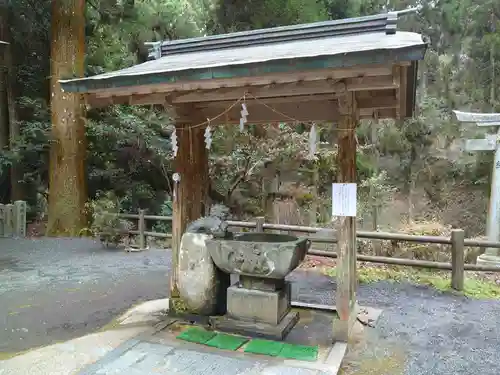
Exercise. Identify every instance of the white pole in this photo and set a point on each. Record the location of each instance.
(493, 229)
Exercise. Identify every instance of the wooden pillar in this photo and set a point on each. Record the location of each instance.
(190, 193)
(346, 264)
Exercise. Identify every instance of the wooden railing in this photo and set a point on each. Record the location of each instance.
(457, 242)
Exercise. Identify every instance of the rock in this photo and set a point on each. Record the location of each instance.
(197, 275)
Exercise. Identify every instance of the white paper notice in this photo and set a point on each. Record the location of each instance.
(344, 199)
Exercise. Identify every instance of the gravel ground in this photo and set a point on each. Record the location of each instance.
(420, 332)
(58, 289)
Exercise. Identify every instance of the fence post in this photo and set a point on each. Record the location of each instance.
(457, 259)
(260, 224)
(8, 229)
(2, 220)
(142, 228)
(20, 218)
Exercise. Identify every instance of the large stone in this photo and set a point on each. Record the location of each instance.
(197, 275)
(258, 305)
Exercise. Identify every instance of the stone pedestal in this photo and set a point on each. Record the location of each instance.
(261, 310)
(488, 260)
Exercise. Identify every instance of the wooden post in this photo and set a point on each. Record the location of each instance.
(457, 259)
(346, 264)
(260, 224)
(2, 220)
(313, 211)
(142, 228)
(190, 193)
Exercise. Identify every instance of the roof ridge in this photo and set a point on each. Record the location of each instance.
(385, 22)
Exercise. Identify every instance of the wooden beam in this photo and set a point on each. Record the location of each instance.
(346, 264)
(403, 96)
(317, 107)
(263, 92)
(371, 83)
(397, 79)
(190, 194)
(276, 78)
(262, 113)
(326, 86)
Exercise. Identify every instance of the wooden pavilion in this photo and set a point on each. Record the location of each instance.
(336, 72)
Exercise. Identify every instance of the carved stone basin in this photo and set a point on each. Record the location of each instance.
(263, 255)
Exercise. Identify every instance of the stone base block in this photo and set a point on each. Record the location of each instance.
(256, 329)
(488, 260)
(258, 305)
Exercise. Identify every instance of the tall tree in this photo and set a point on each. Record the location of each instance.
(68, 180)
(7, 102)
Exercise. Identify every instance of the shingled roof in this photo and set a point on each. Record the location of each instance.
(322, 45)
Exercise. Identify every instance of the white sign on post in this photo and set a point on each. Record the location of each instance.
(344, 198)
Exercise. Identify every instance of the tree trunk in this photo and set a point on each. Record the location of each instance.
(68, 183)
(10, 126)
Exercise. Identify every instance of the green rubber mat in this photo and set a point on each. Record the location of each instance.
(196, 335)
(271, 348)
(299, 352)
(226, 342)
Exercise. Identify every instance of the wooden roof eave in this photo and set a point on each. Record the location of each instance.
(128, 84)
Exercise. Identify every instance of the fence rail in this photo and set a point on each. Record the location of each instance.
(457, 242)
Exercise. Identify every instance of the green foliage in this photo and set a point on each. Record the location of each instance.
(129, 150)
(166, 209)
(105, 221)
(474, 286)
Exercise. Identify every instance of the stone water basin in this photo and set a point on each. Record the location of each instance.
(262, 255)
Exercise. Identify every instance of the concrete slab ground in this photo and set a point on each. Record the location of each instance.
(143, 341)
(162, 353)
(69, 357)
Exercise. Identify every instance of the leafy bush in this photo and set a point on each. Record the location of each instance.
(166, 209)
(105, 222)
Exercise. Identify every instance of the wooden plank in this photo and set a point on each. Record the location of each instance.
(403, 93)
(268, 111)
(273, 90)
(264, 79)
(346, 264)
(262, 114)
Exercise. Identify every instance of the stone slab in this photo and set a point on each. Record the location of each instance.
(174, 358)
(71, 356)
(258, 305)
(256, 329)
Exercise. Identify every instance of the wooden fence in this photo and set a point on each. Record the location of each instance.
(457, 241)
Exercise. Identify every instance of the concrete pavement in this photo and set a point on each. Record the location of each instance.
(141, 344)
